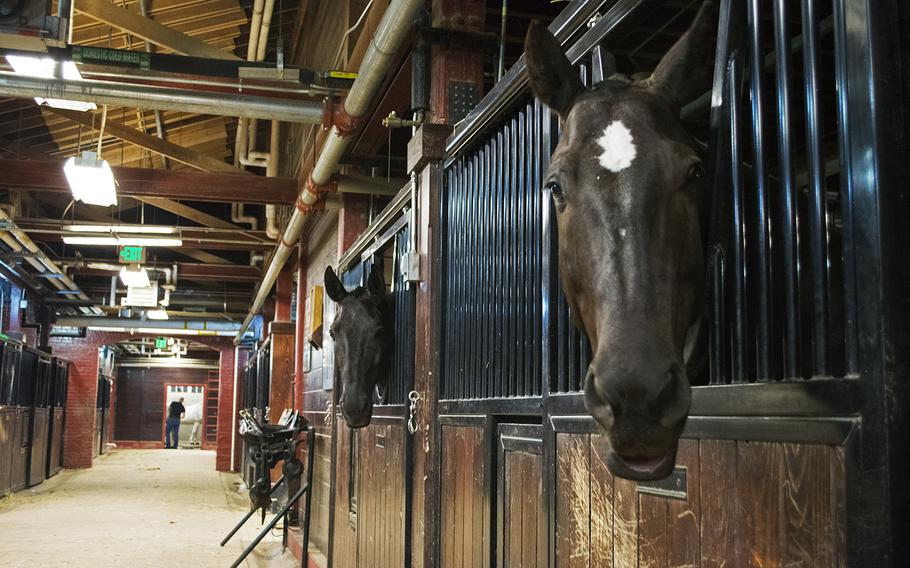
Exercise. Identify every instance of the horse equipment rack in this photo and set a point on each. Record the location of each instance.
(268, 444)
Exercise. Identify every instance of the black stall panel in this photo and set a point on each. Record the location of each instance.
(7, 416)
(23, 397)
(54, 459)
(40, 422)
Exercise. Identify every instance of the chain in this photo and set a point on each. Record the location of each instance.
(328, 413)
(414, 397)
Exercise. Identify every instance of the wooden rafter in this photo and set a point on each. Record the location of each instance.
(174, 151)
(144, 28)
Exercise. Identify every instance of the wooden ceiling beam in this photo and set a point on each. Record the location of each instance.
(144, 28)
(47, 175)
(178, 153)
(188, 212)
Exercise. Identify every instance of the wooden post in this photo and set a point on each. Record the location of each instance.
(425, 151)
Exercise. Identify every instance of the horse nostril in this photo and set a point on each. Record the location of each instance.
(670, 386)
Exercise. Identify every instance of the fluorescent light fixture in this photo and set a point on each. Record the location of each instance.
(117, 241)
(91, 180)
(136, 229)
(43, 68)
(158, 314)
(136, 278)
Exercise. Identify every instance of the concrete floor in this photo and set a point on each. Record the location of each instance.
(134, 508)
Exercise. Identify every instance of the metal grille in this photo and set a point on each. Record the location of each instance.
(401, 379)
(497, 240)
(777, 279)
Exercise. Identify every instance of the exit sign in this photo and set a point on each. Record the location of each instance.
(161, 343)
(128, 254)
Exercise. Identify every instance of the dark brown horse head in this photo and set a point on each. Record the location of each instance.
(361, 335)
(626, 181)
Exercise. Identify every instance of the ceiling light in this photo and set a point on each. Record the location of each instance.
(91, 180)
(128, 241)
(138, 229)
(158, 314)
(44, 68)
(136, 278)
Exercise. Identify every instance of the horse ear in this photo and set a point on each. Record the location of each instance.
(553, 79)
(685, 72)
(376, 282)
(333, 286)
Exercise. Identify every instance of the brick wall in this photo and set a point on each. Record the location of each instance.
(82, 353)
(82, 392)
(226, 421)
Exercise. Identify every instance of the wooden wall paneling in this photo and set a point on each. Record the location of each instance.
(462, 527)
(652, 530)
(625, 523)
(718, 503)
(602, 504)
(344, 544)
(808, 520)
(447, 505)
(838, 501)
(574, 514)
(684, 517)
(758, 508)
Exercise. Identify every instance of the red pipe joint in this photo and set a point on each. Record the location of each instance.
(317, 191)
(335, 115)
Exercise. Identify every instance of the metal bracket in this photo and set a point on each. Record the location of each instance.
(673, 486)
(334, 115)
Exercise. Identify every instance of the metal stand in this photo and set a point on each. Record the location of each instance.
(249, 514)
(271, 444)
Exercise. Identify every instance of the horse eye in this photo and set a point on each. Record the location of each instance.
(555, 189)
(696, 173)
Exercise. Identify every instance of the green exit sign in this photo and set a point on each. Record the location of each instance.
(161, 343)
(128, 254)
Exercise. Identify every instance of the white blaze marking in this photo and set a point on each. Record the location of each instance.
(618, 147)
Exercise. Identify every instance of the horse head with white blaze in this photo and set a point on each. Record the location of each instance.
(626, 180)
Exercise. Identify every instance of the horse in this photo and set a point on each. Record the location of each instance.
(193, 415)
(627, 183)
(362, 334)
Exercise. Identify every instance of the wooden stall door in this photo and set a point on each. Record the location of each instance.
(370, 495)
(465, 507)
(521, 524)
(749, 504)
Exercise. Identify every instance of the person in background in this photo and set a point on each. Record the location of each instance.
(174, 413)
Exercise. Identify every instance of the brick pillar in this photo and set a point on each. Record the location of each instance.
(353, 218)
(455, 72)
(283, 287)
(226, 422)
(81, 395)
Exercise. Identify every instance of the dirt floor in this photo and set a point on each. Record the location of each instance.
(134, 508)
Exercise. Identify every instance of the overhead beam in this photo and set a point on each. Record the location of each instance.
(193, 271)
(47, 175)
(149, 30)
(89, 214)
(174, 151)
(22, 149)
(188, 212)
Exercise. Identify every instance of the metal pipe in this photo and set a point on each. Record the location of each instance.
(817, 206)
(128, 323)
(271, 210)
(788, 202)
(161, 98)
(392, 31)
(159, 123)
(761, 234)
(500, 67)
